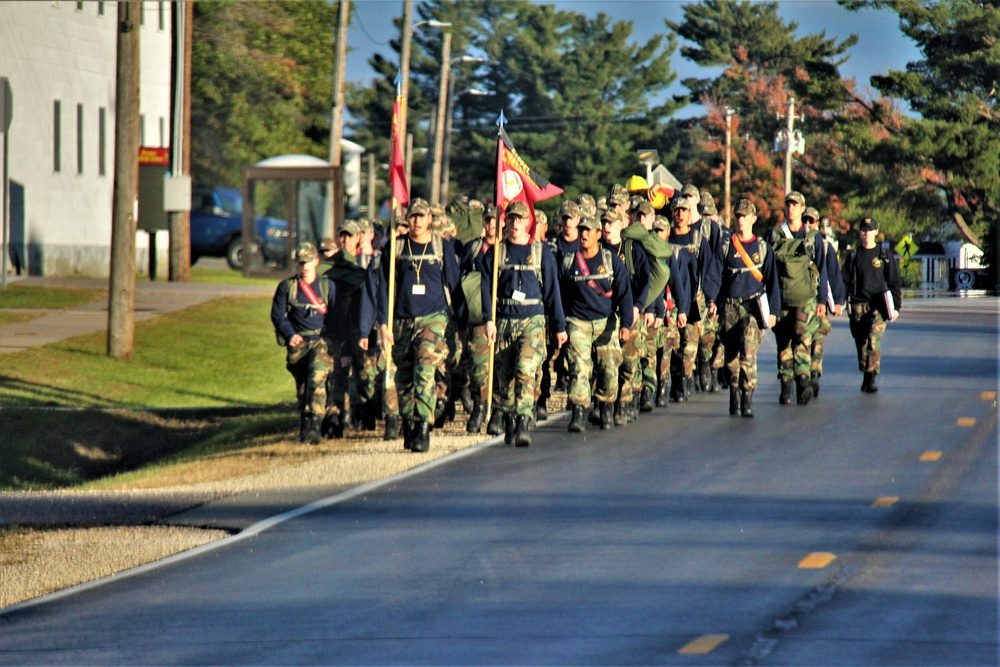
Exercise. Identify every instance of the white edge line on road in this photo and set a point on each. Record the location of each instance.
(253, 530)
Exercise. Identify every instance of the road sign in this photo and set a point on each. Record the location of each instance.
(907, 247)
(6, 104)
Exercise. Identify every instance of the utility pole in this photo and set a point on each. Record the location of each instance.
(439, 125)
(729, 165)
(337, 115)
(792, 143)
(371, 185)
(180, 221)
(404, 69)
(121, 295)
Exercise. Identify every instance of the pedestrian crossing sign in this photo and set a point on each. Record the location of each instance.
(907, 247)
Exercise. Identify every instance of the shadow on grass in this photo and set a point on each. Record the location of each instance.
(48, 448)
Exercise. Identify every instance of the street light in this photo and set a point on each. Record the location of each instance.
(446, 160)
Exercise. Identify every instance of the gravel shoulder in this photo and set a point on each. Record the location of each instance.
(54, 540)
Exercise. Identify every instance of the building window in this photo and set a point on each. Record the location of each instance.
(142, 129)
(162, 14)
(79, 138)
(56, 136)
(102, 141)
(79, 5)
(142, 13)
(100, 7)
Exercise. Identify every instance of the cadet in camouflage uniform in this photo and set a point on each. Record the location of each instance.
(873, 286)
(527, 291)
(668, 337)
(426, 287)
(298, 313)
(800, 313)
(449, 377)
(834, 300)
(476, 351)
(567, 241)
(692, 247)
(747, 275)
(543, 379)
(597, 298)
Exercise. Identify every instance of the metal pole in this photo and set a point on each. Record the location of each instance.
(371, 185)
(788, 145)
(439, 126)
(179, 265)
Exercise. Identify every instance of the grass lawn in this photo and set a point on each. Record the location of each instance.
(18, 295)
(212, 374)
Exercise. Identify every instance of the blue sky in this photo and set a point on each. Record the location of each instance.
(881, 46)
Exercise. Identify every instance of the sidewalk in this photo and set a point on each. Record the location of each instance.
(152, 299)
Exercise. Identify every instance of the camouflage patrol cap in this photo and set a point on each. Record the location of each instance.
(541, 218)
(811, 213)
(796, 197)
(681, 202)
(328, 243)
(709, 210)
(365, 225)
(586, 203)
(706, 198)
(418, 207)
(617, 195)
(611, 215)
(306, 252)
(349, 227)
(643, 208)
(661, 223)
(745, 207)
(569, 209)
(489, 211)
(588, 222)
(517, 208)
(691, 189)
(602, 204)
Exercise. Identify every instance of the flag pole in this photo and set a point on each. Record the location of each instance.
(398, 115)
(498, 202)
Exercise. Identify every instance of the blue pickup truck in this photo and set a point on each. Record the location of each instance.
(217, 228)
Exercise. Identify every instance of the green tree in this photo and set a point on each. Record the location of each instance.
(952, 146)
(261, 84)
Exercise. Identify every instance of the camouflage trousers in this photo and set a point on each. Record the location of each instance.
(310, 364)
(371, 377)
(741, 336)
(668, 343)
(520, 352)
(633, 352)
(650, 365)
(420, 349)
(867, 328)
(708, 343)
(448, 373)
(823, 330)
(684, 360)
(543, 379)
(593, 349)
(794, 334)
(476, 359)
(341, 383)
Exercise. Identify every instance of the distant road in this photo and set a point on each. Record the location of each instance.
(857, 530)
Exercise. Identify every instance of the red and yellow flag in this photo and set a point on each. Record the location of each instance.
(516, 181)
(397, 152)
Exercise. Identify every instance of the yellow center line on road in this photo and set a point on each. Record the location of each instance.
(817, 560)
(885, 501)
(930, 456)
(702, 645)
(966, 421)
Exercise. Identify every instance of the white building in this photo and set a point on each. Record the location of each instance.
(59, 58)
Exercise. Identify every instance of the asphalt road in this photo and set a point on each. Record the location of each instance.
(857, 530)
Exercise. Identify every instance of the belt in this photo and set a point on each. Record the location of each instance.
(742, 299)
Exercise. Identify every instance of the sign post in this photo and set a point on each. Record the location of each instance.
(6, 115)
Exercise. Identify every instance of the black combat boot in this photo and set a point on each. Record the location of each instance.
(734, 401)
(475, 422)
(689, 385)
(576, 422)
(407, 434)
(313, 435)
(522, 436)
(369, 415)
(391, 427)
(646, 400)
(495, 427)
(621, 415)
(333, 426)
(803, 389)
(420, 440)
(440, 413)
(746, 404)
(661, 393)
(704, 375)
(595, 412)
(870, 385)
(607, 416)
(814, 381)
(714, 385)
(508, 429)
(465, 395)
(541, 412)
(303, 427)
(677, 389)
(786, 392)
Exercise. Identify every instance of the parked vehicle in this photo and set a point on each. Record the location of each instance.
(217, 228)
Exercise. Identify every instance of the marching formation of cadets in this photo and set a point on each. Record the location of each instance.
(628, 307)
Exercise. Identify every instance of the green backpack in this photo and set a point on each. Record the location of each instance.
(657, 251)
(798, 276)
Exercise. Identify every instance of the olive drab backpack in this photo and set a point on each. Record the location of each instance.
(291, 303)
(798, 275)
(657, 251)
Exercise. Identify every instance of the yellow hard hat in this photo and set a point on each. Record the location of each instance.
(636, 184)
